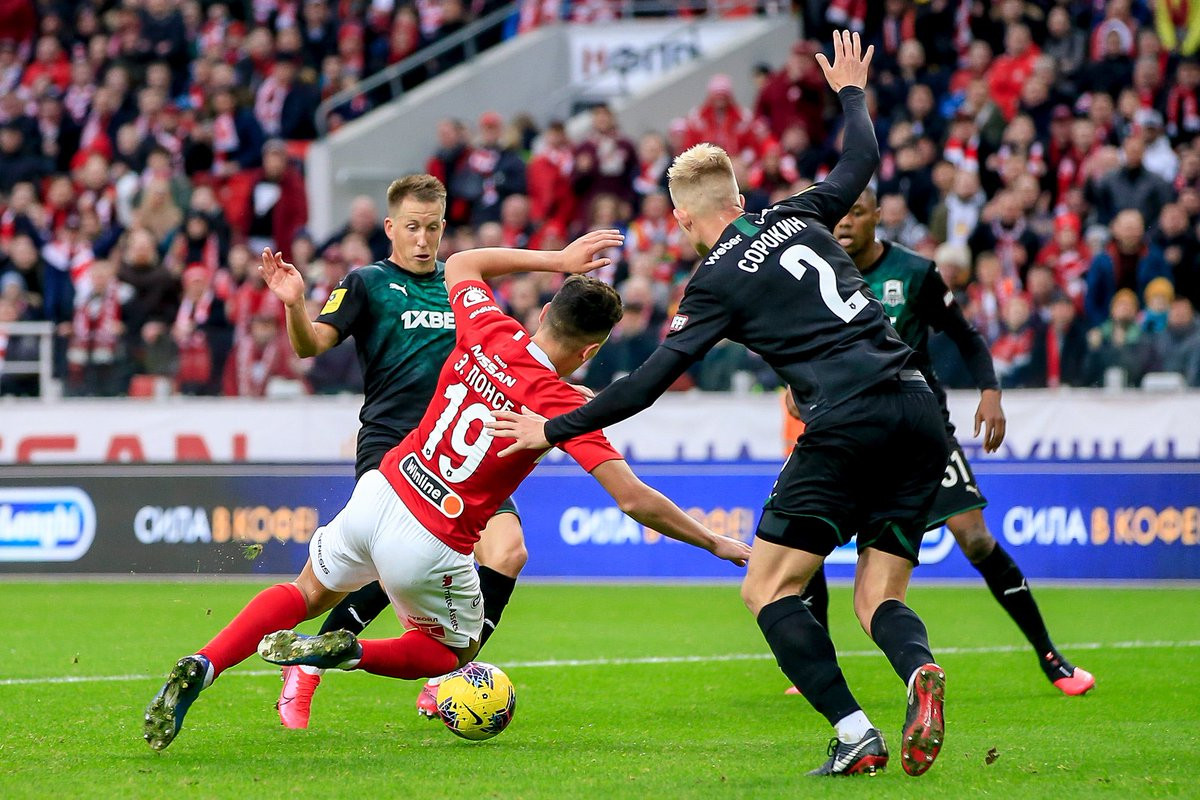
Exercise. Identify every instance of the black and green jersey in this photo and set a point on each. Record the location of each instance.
(915, 299)
(403, 330)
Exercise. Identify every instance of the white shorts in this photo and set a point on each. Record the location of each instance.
(375, 537)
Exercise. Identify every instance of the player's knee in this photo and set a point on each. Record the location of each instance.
(509, 559)
(973, 537)
(752, 597)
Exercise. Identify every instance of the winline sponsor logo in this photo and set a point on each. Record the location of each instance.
(431, 487)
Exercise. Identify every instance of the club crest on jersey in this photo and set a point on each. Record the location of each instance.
(893, 293)
(474, 297)
(677, 322)
(430, 487)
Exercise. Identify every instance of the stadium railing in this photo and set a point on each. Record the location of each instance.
(48, 387)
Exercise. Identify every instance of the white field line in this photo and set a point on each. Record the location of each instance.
(617, 662)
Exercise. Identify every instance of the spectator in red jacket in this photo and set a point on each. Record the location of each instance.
(721, 121)
(258, 356)
(548, 177)
(1069, 256)
(1010, 71)
(50, 64)
(795, 95)
(278, 204)
(605, 163)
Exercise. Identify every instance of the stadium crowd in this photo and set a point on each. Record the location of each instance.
(1045, 154)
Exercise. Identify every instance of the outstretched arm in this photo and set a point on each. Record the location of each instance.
(491, 262)
(830, 199)
(655, 511)
(620, 400)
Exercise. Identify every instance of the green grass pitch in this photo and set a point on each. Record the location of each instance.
(707, 719)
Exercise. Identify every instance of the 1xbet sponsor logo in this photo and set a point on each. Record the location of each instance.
(46, 524)
(437, 320)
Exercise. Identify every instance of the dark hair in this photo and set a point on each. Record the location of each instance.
(583, 311)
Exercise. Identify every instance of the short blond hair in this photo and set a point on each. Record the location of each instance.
(701, 179)
(420, 187)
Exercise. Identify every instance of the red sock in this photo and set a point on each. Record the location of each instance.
(277, 608)
(413, 655)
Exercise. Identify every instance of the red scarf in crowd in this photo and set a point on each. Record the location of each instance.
(268, 105)
(195, 358)
(851, 14)
(1053, 358)
(1183, 111)
(94, 329)
(253, 367)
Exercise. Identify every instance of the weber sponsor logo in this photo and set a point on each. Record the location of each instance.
(46, 524)
(430, 487)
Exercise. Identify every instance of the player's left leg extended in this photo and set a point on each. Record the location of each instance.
(771, 590)
(284, 605)
(501, 555)
(1008, 585)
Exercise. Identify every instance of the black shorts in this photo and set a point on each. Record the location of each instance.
(373, 446)
(870, 467)
(958, 492)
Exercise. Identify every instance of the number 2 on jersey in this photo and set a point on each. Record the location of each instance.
(798, 258)
(472, 452)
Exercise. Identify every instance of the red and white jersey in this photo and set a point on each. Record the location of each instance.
(447, 470)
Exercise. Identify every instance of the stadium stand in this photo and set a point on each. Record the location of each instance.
(1044, 154)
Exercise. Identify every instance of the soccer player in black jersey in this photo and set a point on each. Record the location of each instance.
(916, 299)
(874, 449)
(398, 312)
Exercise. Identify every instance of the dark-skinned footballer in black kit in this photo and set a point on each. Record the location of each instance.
(779, 283)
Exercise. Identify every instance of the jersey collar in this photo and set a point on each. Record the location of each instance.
(539, 355)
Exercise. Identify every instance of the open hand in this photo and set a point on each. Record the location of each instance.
(528, 429)
(850, 63)
(282, 278)
(731, 550)
(990, 417)
(580, 255)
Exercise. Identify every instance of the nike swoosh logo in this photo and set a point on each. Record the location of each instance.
(848, 759)
(1024, 587)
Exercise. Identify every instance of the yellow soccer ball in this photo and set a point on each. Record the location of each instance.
(477, 701)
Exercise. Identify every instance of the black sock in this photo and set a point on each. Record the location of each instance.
(1012, 591)
(900, 634)
(805, 653)
(496, 589)
(357, 609)
(816, 597)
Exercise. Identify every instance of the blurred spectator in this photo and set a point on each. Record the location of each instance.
(986, 295)
(1063, 346)
(260, 355)
(364, 221)
(1183, 102)
(515, 221)
(237, 138)
(1014, 351)
(721, 121)
(1009, 72)
(1004, 230)
(148, 314)
(1177, 240)
(1041, 291)
(97, 357)
(653, 161)
(492, 171)
(202, 332)
(278, 206)
(451, 154)
(1178, 25)
(549, 178)
(1177, 346)
(1131, 185)
(283, 105)
(897, 223)
(1069, 257)
(1118, 351)
(1128, 262)
(606, 162)
(1157, 301)
(795, 95)
(18, 163)
(1066, 44)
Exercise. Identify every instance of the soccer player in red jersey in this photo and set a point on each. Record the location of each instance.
(413, 523)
